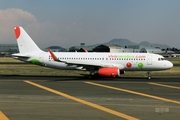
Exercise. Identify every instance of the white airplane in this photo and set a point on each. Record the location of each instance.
(99, 64)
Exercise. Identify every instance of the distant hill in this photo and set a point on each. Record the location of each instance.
(121, 42)
(145, 43)
(124, 42)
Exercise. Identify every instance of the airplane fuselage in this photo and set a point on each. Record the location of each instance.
(123, 61)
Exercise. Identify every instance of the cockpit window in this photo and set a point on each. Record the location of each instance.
(161, 59)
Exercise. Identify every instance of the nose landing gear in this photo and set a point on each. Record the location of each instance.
(149, 74)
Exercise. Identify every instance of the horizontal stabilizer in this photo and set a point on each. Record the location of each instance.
(20, 56)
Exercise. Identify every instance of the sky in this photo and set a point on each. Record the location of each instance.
(68, 23)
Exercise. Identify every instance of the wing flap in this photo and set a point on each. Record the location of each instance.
(95, 64)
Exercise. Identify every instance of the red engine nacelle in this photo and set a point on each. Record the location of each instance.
(110, 72)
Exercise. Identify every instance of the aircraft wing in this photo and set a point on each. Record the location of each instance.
(95, 64)
(86, 65)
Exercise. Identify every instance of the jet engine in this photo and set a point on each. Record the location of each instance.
(110, 72)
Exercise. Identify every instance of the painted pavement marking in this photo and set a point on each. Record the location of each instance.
(134, 92)
(122, 115)
(163, 85)
(2, 116)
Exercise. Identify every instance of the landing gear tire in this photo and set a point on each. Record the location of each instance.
(90, 76)
(149, 75)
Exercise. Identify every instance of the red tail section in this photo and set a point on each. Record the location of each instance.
(17, 31)
(24, 41)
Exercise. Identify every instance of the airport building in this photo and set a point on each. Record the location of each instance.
(145, 49)
(82, 48)
(7, 49)
(109, 48)
(56, 49)
(127, 49)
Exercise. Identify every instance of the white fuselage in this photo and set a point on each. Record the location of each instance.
(123, 61)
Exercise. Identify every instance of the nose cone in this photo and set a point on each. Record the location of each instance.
(169, 65)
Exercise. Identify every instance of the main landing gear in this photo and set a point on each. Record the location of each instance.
(92, 75)
(149, 74)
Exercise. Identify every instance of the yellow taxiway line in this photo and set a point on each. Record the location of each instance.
(2, 116)
(133, 92)
(83, 101)
(169, 86)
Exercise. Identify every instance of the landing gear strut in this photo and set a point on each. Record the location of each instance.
(92, 75)
(149, 74)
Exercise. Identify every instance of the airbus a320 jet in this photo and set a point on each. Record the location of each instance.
(99, 64)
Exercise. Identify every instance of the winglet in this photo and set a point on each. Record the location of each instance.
(52, 55)
(85, 50)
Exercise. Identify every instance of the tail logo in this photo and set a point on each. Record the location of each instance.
(17, 31)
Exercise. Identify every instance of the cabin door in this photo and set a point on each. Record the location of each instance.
(149, 60)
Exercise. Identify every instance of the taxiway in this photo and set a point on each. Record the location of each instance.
(77, 98)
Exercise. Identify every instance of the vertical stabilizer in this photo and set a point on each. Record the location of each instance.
(24, 41)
